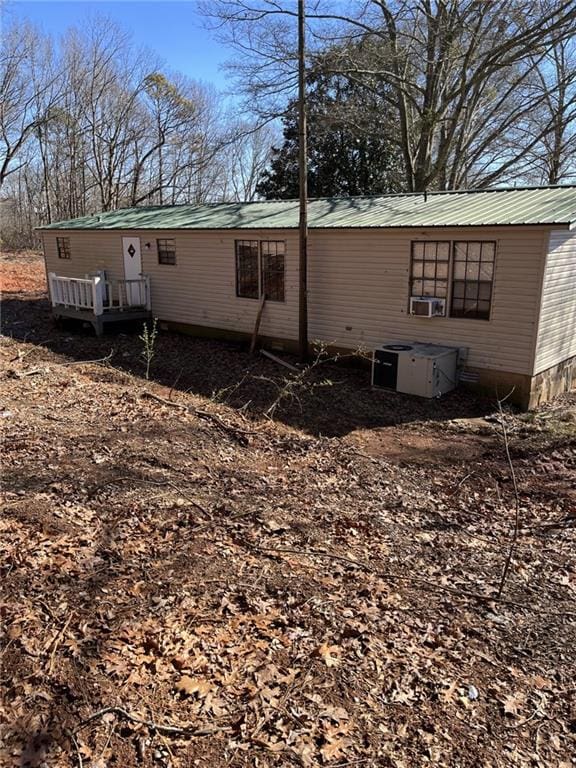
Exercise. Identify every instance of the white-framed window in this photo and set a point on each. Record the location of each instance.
(472, 278)
(460, 271)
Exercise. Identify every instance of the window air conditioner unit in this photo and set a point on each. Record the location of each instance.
(427, 307)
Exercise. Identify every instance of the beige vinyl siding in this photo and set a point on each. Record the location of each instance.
(359, 294)
(358, 286)
(557, 324)
(200, 289)
(90, 251)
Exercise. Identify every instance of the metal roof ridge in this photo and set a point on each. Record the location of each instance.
(344, 198)
(438, 192)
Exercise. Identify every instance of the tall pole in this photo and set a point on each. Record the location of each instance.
(303, 177)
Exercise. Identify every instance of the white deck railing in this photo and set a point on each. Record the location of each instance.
(97, 295)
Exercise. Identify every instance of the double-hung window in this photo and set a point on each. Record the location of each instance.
(166, 250)
(63, 246)
(472, 278)
(247, 278)
(430, 264)
(260, 266)
(461, 272)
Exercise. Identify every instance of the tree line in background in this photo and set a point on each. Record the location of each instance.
(405, 95)
(93, 124)
(431, 94)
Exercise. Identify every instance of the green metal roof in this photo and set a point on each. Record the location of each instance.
(494, 207)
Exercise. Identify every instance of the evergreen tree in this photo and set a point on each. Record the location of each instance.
(351, 146)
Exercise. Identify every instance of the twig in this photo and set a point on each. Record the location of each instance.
(80, 362)
(154, 482)
(76, 747)
(236, 432)
(516, 529)
(33, 372)
(56, 642)
(174, 730)
(420, 582)
(163, 400)
(524, 722)
(470, 474)
(233, 431)
(179, 490)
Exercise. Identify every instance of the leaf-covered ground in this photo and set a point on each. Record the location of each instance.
(185, 582)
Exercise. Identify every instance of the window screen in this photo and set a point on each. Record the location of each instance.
(472, 279)
(272, 261)
(247, 284)
(430, 263)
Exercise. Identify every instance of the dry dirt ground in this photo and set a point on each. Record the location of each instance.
(186, 582)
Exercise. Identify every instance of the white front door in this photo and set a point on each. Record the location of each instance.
(132, 267)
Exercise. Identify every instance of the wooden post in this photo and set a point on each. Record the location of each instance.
(257, 324)
(97, 302)
(148, 294)
(52, 285)
(303, 186)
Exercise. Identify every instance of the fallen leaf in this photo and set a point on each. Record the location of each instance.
(330, 654)
(191, 685)
(511, 704)
(334, 749)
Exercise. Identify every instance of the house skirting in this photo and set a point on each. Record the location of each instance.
(525, 391)
(554, 381)
(224, 334)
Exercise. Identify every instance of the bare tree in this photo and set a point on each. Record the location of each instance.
(94, 123)
(245, 155)
(171, 105)
(455, 72)
(28, 92)
(554, 159)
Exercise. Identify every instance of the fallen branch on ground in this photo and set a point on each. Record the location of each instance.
(236, 432)
(174, 730)
(33, 372)
(98, 360)
(416, 580)
(278, 360)
(56, 642)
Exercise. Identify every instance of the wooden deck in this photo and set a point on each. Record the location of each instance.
(99, 301)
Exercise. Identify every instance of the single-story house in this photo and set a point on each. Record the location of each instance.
(489, 271)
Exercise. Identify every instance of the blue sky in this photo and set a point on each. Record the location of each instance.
(174, 30)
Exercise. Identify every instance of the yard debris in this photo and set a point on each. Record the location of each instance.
(473, 692)
(185, 578)
(279, 360)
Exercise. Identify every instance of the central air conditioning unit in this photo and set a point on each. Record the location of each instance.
(427, 306)
(414, 368)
